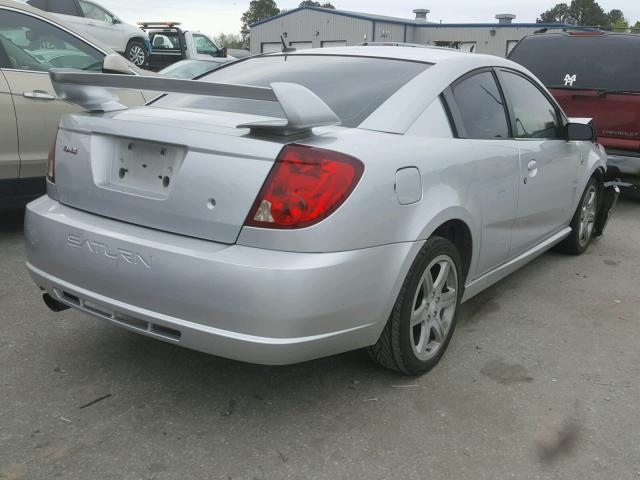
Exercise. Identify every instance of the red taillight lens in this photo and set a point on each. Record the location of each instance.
(306, 185)
(51, 163)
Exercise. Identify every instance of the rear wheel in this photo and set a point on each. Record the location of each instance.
(424, 316)
(136, 53)
(584, 220)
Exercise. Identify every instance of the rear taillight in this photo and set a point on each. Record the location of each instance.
(305, 185)
(51, 163)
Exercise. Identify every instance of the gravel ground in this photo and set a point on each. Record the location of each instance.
(542, 380)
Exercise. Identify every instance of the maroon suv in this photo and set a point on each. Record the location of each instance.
(597, 75)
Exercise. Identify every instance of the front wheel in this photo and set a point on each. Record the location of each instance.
(424, 315)
(583, 221)
(136, 53)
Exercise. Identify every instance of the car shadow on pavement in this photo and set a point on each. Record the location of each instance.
(11, 219)
(128, 369)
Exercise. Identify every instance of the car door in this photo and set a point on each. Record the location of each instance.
(102, 25)
(480, 118)
(33, 46)
(9, 159)
(548, 162)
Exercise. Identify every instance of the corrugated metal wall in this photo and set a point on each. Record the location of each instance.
(489, 40)
(317, 27)
(301, 26)
(388, 32)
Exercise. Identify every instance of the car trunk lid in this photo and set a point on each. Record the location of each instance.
(186, 172)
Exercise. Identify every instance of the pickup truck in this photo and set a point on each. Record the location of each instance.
(171, 44)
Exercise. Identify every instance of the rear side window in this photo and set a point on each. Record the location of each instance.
(601, 62)
(66, 7)
(477, 108)
(354, 87)
(38, 4)
(534, 116)
(91, 10)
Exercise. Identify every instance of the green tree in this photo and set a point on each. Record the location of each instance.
(311, 3)
(258, 10)
(578, 12)
(616, 16)
(229, 40)
(557, 14)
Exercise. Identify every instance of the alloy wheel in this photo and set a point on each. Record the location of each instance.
(136, 55)
(434, 307)
(588, 215)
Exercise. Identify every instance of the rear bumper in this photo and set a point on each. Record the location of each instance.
(244, 303)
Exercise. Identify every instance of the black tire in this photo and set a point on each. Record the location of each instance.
(394, 349)
(576, 243)
(136, 53)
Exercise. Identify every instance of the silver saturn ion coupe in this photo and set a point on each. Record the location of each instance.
(291, 206)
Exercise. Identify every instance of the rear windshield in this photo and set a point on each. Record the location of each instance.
(354, 87)
(606, 62)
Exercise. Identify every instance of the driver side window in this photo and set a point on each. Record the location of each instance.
(534, 116)
(35, 45)
(204, 45)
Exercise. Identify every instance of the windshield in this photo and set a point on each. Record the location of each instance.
(603, 62)
(354, 87)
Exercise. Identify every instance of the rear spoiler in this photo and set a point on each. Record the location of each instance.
(302, 108)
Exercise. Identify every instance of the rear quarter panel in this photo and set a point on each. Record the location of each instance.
(455, 178)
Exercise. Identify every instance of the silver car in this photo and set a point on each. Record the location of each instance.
(291, 206)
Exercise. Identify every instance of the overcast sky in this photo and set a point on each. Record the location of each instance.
(215, 16)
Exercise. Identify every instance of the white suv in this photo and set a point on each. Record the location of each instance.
(101, 24)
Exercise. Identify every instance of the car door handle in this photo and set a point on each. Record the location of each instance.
(91, 24)
(39, 95)
(533, 165)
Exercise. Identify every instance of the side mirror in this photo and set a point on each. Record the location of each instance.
(225, 52)
(114, 63)
(116, 21)
(581, 131)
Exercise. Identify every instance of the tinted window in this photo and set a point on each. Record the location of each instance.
(33, 44)
(38, 4)
(610, 62)
(354, 87)
(66, 7)
(479, 111)
(534, 116)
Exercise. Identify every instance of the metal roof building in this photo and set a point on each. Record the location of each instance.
(316, 27)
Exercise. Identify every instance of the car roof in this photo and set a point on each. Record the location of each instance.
(429, 54)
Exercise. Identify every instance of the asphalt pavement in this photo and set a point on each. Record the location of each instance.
(541, 381)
